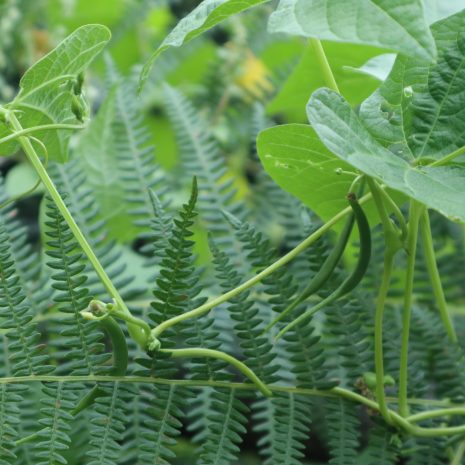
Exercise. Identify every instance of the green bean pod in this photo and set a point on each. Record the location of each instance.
(120, 361)
(325, 272)
(357, 274)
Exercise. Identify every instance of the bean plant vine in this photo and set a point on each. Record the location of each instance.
(382, 166)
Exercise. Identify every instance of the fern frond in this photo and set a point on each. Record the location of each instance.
(16, 317)
(27, 260)
(201, 157)
(82, 341)
(257, 350)
(344, 431)
(348, 328)
(422, 451)
(70, 179)
(20, 342)
(225, 429)
(134, 153)
(9, 420)
(108, 424)
(164, 408)
(175, 287)
(444, 361)
(284, 423)
(54, 437)
(382, 448)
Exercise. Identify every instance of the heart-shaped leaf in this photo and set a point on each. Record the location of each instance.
(298, 161)
(420, 109)
(45, 95)
(397, 25)
(341, 130)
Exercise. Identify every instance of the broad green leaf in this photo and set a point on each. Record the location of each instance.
(378, 67)
(397, 25)
(299, 163)
(341, 130)
(419, 110)
(208, 14)
(46, 88)
(440, 9)
(307, 77)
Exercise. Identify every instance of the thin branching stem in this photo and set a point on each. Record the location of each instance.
(416, 210)
(435, 278)
(136, 333)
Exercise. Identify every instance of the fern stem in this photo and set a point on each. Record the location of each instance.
(431, 265)
(197, 352)
(205, 308)
(44, 127)
(136, 333)
(416, 211)
(324, 65)
(195, 383)
(331, 393)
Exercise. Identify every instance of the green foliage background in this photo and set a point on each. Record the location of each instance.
(199, 114)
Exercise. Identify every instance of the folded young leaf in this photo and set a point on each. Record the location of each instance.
(46, 89)
(66, 61)
(397, 25)
(208, 14)
(420, 108)
(340, 129)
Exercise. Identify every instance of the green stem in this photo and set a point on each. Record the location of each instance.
(451, 156)
(98, 310)
(196, 383)
(431, 265)
(416, 211)
(242, 367)
(331, 393)
(379, 314)
(324, 65)
(392, 245)
(45, 127)
(395, 209)
(199, 311)
(135, 331)
(444, 412)
(457, 458)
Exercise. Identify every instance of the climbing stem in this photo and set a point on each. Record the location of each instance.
(135, 331)
(392, 245)
(416, 210)
(324, 65)
(398, 421)
(431, 265)
(443, 412)
(447, 158)
(199, 311)
(379, 314)
(242, 367)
